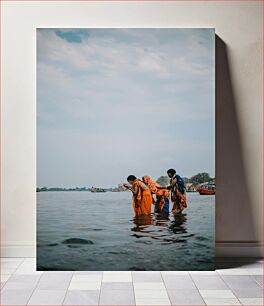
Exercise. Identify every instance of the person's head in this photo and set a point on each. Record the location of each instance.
(171, 172)
(146, 179)
(131, 179)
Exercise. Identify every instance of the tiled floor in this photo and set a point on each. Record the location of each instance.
(235, 282)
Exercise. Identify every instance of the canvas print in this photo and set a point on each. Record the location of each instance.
(125, 149)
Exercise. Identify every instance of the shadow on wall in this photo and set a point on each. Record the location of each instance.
(234, 209)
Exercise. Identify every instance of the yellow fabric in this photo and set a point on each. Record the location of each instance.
(160, 193)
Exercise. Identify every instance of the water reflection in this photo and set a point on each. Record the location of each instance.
(143, 220)
(165, 229)
(156, 242)
(177, 225)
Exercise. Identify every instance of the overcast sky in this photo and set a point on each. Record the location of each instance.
(114, 102)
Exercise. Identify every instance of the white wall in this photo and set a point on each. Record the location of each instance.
(238, 105)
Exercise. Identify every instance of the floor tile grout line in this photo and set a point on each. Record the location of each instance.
(134, 293)
(62, 303)
(231, 288)
(100, 288)
(18, 264)
(197, 288)
(2, 290)
(34, 288)
(25, 258)
(11, 274)
(4, 286)
(153, 283)
(1, 295)
(16, 267)
(217, 273)
(252, 276)
(166, 288)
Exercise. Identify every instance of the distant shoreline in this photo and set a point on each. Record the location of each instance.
(190, 183)
(44, 189)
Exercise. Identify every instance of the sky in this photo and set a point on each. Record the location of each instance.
(115, 102)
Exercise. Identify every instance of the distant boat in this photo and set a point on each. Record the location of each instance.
(206, 189)
(97, 190)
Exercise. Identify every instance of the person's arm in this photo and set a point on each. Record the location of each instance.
(127, 186)
(168, 187)
(131, 188)
(135, 189)
(174, 183)
(135, 192)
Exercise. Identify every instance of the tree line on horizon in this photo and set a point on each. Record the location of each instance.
(195, 180)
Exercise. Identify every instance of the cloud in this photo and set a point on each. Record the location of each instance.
(133, 97)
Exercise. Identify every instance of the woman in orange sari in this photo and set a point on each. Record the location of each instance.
(162, 195)
(142, 199)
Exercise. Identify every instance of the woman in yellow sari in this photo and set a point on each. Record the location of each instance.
(162, 195)
(142, 199)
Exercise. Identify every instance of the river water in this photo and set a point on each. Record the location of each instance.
(113, 241)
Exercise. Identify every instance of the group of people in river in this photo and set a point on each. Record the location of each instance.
(147, 192)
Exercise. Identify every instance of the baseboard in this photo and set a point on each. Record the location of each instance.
(239, 249)
(223, 249)
(18, 250)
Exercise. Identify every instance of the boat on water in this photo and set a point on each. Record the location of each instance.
(97, 190)
(206, 188)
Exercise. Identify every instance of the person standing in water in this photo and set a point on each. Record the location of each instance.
(178, 193)
(142, 198)
(162, 195)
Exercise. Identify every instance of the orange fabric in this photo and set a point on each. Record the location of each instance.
(160, 204)
(142, 200)
(151, 184)
(160, 193)
(179, 202)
